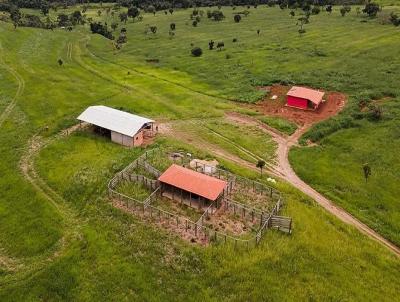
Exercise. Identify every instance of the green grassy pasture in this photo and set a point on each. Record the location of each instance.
(108, 255)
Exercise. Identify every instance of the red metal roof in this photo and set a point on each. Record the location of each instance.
(194, 182)
(314, 96)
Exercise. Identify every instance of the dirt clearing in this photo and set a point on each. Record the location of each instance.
(335, 102)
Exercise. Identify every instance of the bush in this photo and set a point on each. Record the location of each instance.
(217, 15)
(371, 9)
(197, 52)
(315, 10)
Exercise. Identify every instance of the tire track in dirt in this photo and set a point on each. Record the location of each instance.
(20, 90)
(23, 268)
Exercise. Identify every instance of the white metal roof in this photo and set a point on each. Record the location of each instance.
(114, 120)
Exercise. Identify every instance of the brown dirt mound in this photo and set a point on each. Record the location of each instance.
(335, 101)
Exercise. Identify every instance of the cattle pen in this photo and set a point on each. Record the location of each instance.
(200, 228)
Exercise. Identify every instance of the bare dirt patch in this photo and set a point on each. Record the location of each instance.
(335, 101)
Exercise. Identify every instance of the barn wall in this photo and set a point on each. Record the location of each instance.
(138, 139)
(297, 102)
(121, 139)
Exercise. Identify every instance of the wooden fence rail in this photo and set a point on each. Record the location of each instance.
(198, 229)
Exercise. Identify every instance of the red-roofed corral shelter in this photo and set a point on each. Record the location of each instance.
(304, 98)
(186, 185)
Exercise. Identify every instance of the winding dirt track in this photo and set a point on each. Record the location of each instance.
(284, 170)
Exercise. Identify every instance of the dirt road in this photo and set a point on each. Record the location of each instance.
(284, 170)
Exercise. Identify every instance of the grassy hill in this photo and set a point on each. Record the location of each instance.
(60, 239)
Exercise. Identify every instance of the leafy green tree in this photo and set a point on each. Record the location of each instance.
(343, 11)
(394, 19)
(371, 9)
(15, 16)
(151, 9)
(44, 8)
(123, 17)
(63, 20)
(153, 29)
(217, 15)
(260, 164)
(133, 12)
(315, 10)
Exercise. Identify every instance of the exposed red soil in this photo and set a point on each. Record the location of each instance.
(335, 101)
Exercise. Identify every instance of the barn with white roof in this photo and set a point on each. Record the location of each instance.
(122, 127)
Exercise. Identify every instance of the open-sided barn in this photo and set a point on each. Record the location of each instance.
(304, 98)
(122, 127)
(184, 183)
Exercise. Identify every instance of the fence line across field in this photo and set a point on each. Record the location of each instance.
(197, 228)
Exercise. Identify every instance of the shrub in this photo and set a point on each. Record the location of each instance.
(217, 15)
(197, 52)
(371, 9)
(315, 10)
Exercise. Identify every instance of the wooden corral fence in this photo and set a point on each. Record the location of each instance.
(196, 228)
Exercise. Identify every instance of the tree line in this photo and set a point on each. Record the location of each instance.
(166, 4)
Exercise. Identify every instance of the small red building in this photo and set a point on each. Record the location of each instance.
(304, 98)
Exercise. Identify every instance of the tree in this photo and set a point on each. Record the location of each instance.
(260, 164)
(301, 21)
(123, 17)
(217, 15)
(367, 171)
(153, 29)
(62, 20)
(197, 52)
(77, 18)
(342, 11)
(15, 16)
(237, 18)
(211, 45)
(133, 12)
(45, 8)
(151, 9)
(60, 62)
(172, 26)
(394, 19)
(315, 10)
(371, 9)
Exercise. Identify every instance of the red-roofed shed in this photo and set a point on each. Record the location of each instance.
(197, 185)
(304, 98)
